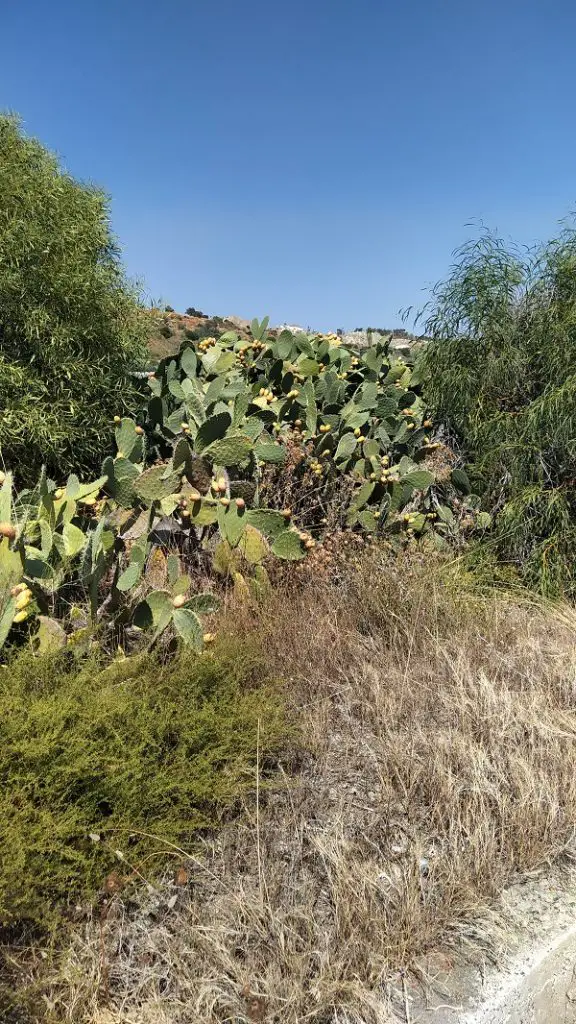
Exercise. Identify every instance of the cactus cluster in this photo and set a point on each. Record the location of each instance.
(240, 406)
(199, 481)
(70, 554)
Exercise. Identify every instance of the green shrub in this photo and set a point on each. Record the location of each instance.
(136, 747)
(500, 373)
(70, 328)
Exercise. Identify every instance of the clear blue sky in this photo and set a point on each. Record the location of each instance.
(316, 160)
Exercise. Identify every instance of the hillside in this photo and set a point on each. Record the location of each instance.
(171, 329)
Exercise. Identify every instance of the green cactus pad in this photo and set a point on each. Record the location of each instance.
(214, 428)
(231, 450)
(288, 545)
(188, 627)
(155, 483)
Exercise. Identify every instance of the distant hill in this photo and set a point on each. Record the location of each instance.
(170, 329)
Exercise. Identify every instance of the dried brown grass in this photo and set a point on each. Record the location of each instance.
(441, 734)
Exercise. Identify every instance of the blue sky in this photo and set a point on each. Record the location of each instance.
(317, 161)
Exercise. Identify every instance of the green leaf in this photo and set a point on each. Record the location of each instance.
(177, 417)
(128, 442)
(74, 540)
(46, 538)
(226, 559)
(86, 490)
(253, 545)
(225, 362)
(50, 636)
(241, 405)
(204, 513)
(168, 504)
(188, 361)
(6, 499)
(284, 345)
(72, 486)
(211, 430)
(368, 395)
(131, 575)
(367, 521)
(373, 360)
(289, 546)
(308, 367)
(307, 394)
(269, 452)
(188, 627)
(253, 427)
(231, 523)
(154, 484)
(173, 567)
(362, 495)
(214, 390)
(175, 388)
(121, 474)
(37, 567)
(183, 458)
(371, 448)
(194, 402)
(460, 480)
(445, 514)
(155, 611)
(484, 521)
(267, 521)
(346, 446)
(230, 450)
(419, 479)
(6, 619)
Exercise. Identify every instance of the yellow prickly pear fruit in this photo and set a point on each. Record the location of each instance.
(18, 589)
(179, 601)
(240, 503)
(59, 493)
(225, 501)
(21, 616)
(2, 477)
(23, 600)
(139, 431)
(117, 419)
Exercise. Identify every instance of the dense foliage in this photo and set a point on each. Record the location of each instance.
(70, 328)
(129, 756)
(245, 453)
(500, 373)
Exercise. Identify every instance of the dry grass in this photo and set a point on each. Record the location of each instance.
(442, 735)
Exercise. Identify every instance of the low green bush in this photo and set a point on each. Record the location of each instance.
(138, 753)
